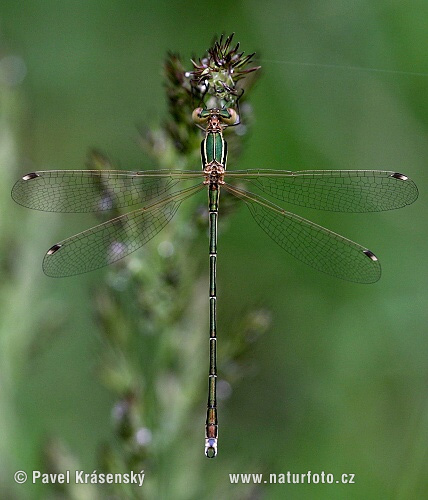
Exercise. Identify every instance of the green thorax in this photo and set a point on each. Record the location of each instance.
(214, 148)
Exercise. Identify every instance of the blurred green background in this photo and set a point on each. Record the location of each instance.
(339, 382)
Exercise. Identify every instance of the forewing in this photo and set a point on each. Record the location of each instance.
(91, 190)
(335, 190)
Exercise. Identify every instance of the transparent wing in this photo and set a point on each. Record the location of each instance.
(335, 190)
(113, 240)
(310, 243)
(94, 190)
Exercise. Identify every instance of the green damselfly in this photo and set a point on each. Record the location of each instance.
(94, 191)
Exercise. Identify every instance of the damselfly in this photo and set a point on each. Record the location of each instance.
(93, 191)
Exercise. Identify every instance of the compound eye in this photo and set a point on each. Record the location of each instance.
(232, 119)
(199, 115)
